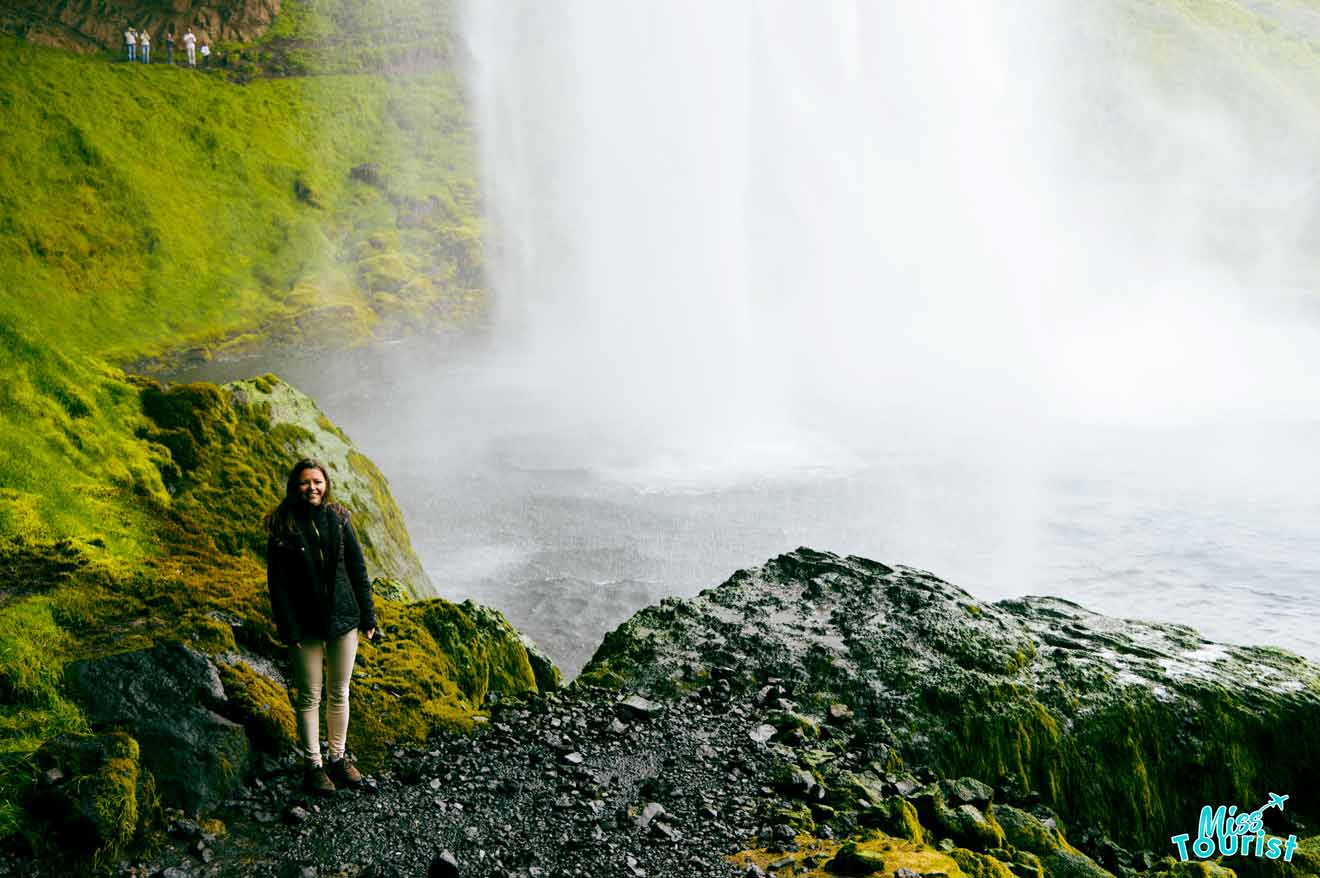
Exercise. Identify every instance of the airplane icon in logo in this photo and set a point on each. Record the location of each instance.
(1276, 801)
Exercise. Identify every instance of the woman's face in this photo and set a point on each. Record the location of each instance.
(311, 486)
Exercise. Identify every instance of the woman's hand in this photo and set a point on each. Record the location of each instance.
(371, 633)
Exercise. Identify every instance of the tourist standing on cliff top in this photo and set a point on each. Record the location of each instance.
(130, 42)
(321, 598)
(190, 43)
(145, 39)
(169, 46)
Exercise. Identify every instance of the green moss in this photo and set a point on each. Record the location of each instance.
(896, 817)
(328, 426)
(1028, 865)
(602, 676)
(1025, 831)
(478, 640)
(116, 798)
(976, 865)
(799, 817)
(1071, 864)
(788, 721)
(1195, 869)
(434, 669)
(853, 859)
(102, 798)
(261, 705)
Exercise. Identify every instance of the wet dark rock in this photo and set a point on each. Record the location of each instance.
(445, 865)
(167, 698)
(1035, 689)
(966, 791)
(183, 827)
(635, 707)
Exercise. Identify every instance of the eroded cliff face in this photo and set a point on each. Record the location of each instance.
(93, 25)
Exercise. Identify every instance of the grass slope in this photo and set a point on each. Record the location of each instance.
(145, 209)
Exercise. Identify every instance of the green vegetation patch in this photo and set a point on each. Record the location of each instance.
(151, 210)
(261, 705)
(433, 668)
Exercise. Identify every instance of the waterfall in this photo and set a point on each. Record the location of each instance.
(703, 214)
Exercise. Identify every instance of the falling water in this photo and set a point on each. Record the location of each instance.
(959, 285)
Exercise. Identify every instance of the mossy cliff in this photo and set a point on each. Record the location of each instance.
(172, 553)
(1124, 728)
(154, 215)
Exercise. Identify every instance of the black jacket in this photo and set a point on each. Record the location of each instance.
(315, 602)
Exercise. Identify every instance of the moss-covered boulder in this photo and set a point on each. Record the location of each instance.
(854, 860)
(977, 865)
(895, 816)
(167, 698)
(260, 704)
(435, 665)
(962, 822)
(1122, 727)
(1069, 863)
(93, 790)
(225, 452)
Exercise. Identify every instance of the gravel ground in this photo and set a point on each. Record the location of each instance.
(582, 783)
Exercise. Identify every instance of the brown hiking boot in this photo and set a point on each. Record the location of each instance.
(344, 772)
(317, 782)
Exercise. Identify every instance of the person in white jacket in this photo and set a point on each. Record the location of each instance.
(190, 43)
(130, 40)
(144, 39)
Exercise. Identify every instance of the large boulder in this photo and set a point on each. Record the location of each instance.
(1125, 728)
(167, 698)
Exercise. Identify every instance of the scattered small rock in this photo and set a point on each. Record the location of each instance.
(445, 865)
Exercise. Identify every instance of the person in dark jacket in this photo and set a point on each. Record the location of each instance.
(321, 598)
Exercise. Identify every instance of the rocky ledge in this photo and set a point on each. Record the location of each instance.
(820, 715)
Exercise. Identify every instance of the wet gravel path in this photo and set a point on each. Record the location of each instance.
(574, 784)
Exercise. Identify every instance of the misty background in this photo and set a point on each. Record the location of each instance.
(1022, 296)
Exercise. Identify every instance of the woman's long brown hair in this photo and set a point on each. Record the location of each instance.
(279, 521)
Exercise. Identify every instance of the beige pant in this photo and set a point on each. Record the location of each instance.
(307, 656)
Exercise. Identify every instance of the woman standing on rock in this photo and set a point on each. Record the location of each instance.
(321, 598)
